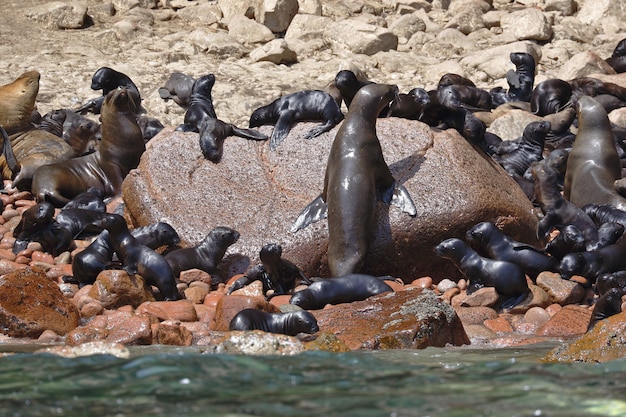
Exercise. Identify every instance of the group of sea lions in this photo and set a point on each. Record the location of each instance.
(586, 165)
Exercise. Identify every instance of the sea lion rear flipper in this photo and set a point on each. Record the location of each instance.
(7, 149)
(248, 133)
(511, 302)
(512, 78)
(165, 94)
(282, 128)
(316, 131)
(315, 211)
(402, 199)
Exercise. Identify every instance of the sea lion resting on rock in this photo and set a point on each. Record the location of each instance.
(120, 150)
(591, 265)
(290, 323)
(507, 278)
(307, 105)
(140, 259)
(529, 149)
(90, 199)
(593, 165)
(213, 132)
(607, 305)
(338, 290)
(38, 225)
(356, 176)
(206, 254)
(200, 104)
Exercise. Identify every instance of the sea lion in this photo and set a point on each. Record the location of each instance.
(53, 122)
(18, 102)
(569, 239)
(107, 80)
(149, 126)
(278, 275)
(409, 106)
(290, 323)
(603, 213)
(356, 176)
(213, 132)
(529, 149)
(139, 259)
(507, 278)
(348, 84)
(206, 254)
(95, 258)
(454, 97)
(593, 164)
(81, 133)
(612, 280)
(200, 104)
(178, 87)
(120, 150)
(78, 221)
(307, 105)
(607, 305)
(592, 264)
(38, 225)
(488, 239)
(338, 290)
(454, 79)
(592, 87)
(91, 199)
(520, 80)
(550, 96)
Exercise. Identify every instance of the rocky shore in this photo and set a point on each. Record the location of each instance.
(259, 50)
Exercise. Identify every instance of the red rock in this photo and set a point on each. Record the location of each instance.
(24, 203)
(167, 334)
(115, 327)
(31, 303)
(193, 275)
(536, 317)
(7, 254)
(475, 315)
(7, 266)
(536, 298)
(553, 308)
(213, 298)
(424, 282)
(230, 305)
(396, 285)
(90, 309)
(181, 310)
(571, 320)
(22, 260)
(561, 291)
(498, 325)
(483, 297)
(114, 288)
(450, 294)
(280, 300)
(205, 313)
(254, 289)
(196, 294)
(44, 257)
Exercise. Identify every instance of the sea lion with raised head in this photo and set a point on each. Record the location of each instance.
(107, 79)
(178, 87)
(520, 80)
(356, 177)
(550, 96)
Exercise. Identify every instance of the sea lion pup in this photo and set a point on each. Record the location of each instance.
(53, 122)
(550, 96)
(120, 151)
(290, 323)
(107, 80)
(348, 84)
(486, 238)
(356, 176)
(200, 104)
(409, 106)
(603, 213)
(454, 79)
(91, 199)
(530, 149)
(278, 275)
(213, 132)
(454, 97)
(592, 87)
(569, 239)
(507, 278)
(206, 254)
(592, 264)
(18, 102)
(307, 105)
(149, 126)
(617, 60)
(79, 221)
(178, 87)
(81, 133)
(139, 259)
(612, 280)
(593, 164)
(98, 256)
(520, 80)
(38, 225)
(609, 304)
(338, 290)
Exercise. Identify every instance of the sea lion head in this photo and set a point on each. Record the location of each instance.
(585, 107)
(166, 234)
(571, 264)
(303, 299)
(35, 218)
(536, 131)
(480, 232)
(452, 248)
(223, 235)
(346, 80)
(271, 251)
(211, 140)
(420, 96)
(121, 100)
(373, 97)
(519, 58)
(105, 78)
(302, 322)
(18, 101)
(204, 85)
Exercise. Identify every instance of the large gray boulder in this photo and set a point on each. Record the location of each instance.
(260, 193)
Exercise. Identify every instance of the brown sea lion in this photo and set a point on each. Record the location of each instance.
(17, 102)
(593, 164)
(119, 151)
(356, 176)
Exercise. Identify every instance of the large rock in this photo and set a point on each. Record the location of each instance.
(30, 303)
(260, 193)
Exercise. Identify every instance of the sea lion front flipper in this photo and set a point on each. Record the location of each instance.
(511, 302)
(315, 211)
(316, 131)
(402, 199)
(282, 128)
(248, 133)
(165, 94)
(512, 78)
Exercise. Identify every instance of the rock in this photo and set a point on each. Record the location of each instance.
(181, 310)
(535, 318)
(484, 297)
(406, 26)
(565, 7)
(536, 298)
(87, 349)
(115, 288)
(277, 14)
(527, 24)
(195, 275)
(196, 294)
(260, 193)
(173, 335)
(592, 12)
(218, 44)
(228, 306)
(230, 8)
(512, 124)
(276, 51)
(327, 342)
(248, 31)
(605, 342)
(568, 321)
(123, 5)
(411, 319)
(257, 342)
(571, 28)
(117, 327)
(561, 291)
(59, 15)
(475, 315)
(446, 284)
(583, 64)
(495, 62)
(467, 16)
(498, 325)
(31, 303)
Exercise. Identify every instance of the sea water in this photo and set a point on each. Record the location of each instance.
(177, 382)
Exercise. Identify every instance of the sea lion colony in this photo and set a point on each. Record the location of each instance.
(58, 178)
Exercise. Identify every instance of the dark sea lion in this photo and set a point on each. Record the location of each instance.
(348, 84)
(37, 225)
(338, 290)
(206, 254)
(609, 304)
(307, 105)
(612, 280)
(178, 87)
(149, 126)
(529, 149)
(53, 122)
(95, 258)
(604, 213)
(91, 199)
(119, 151)
(290, 323)
(200, 104)
(592, 264)
(550, 96)
(617, 60)
(107, 80)
(520, 80)
(18, 102)
(140, 259)
(454, 79)
(491, 241)
(569, 239)
(78, 221)
(592, 87)
(593, 164)
(471, 128)
(454, 97)
(507, 278)
(409, 106)
(356, 176)
(213, 132)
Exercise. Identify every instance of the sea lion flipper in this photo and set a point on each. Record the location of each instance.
(165, 94)
(512, 78)
(315, 211)
(281, 129)
(248, 133)
(402, 199)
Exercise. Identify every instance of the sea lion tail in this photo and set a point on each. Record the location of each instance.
(402, 199)
(315, 211)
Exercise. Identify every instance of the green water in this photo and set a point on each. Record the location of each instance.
(458, 382)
